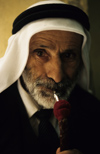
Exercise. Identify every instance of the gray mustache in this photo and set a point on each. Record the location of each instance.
(59, 88)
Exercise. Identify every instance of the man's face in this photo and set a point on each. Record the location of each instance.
(53, 65)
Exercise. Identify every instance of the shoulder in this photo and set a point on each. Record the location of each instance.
(82, 95)
(85, 100)
(10, 92)
(9, 99)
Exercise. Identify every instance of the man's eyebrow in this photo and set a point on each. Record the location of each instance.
(69, 50)
(44, 46)
(48, 47)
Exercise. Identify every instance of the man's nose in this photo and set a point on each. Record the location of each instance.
(56, 70)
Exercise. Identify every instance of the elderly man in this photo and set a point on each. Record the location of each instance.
(48, 51)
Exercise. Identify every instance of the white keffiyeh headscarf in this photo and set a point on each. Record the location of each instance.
(16, 55)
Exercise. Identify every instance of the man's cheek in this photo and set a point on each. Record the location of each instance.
(36, 72)
(72, 72)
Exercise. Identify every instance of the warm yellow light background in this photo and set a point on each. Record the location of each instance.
(9, 9)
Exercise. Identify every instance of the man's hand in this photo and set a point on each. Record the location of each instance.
(74, 151)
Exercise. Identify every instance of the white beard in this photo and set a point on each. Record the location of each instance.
(42, 89)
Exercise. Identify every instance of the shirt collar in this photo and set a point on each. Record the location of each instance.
(31, 106)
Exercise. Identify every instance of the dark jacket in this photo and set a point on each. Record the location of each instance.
(17, 136)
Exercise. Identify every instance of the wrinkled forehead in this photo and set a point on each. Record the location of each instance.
(53, 37)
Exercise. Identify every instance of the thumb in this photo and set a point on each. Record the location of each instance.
(58, 151)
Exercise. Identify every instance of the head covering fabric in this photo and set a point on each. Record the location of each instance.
(54, 10)
(16, 55)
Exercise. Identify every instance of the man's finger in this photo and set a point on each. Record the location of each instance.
(58, 150)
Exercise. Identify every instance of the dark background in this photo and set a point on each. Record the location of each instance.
(94, 15)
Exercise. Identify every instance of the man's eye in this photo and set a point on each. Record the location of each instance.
(41, 55)
(70, 55)
(40, 52)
